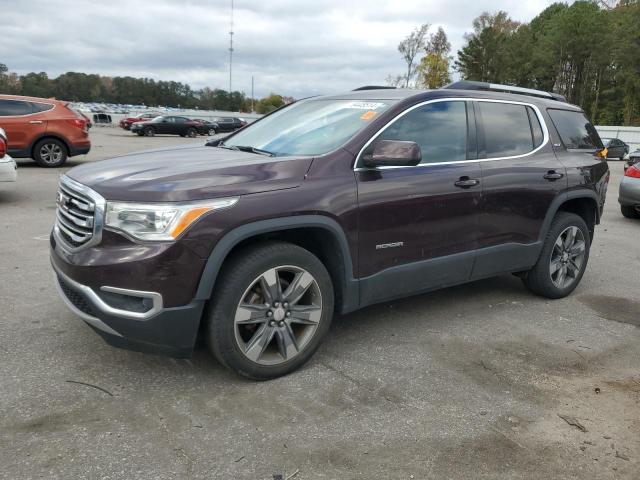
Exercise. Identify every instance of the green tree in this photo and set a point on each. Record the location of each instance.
(433, 70)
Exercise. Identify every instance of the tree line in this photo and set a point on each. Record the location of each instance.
(83, 87)
(587, 51)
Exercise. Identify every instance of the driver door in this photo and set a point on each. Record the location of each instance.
(418, 225)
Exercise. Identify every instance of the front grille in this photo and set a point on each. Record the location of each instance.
(76, 298)
(75, 216)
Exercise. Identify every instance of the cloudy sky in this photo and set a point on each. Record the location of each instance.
(293, 47)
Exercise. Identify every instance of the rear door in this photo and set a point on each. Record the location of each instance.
(418, 225)
(521, 176)
(23, 122)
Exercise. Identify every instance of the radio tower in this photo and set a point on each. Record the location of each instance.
(230, 49)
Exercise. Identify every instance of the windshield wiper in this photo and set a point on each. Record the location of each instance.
(246, 148)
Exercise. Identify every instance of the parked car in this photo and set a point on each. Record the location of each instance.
(634, 158)
(616, 148)
(171, 125)
(44, 129)
(7, 164)
(205, 127)
(230, 124)
(328, 205)
(141, 117)
(629, 192)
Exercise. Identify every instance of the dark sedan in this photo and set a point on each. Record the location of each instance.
(230, 124)
(168, 125)
(616, 148)
(205, 127)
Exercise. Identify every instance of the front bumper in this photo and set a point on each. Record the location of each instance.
(8, 169)
(131, 319)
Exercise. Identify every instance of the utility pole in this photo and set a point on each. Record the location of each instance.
(252, 110)
(230, 51)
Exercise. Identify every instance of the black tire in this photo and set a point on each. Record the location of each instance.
(50, 153)
(539, 279)
(629, 211)
(140, 134)
(212, 132)
(149, 131)
(192, 133)
(237, 276)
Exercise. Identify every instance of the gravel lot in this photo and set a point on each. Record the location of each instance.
(468, 382)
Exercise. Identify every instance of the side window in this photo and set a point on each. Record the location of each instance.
(575, 130)
(507, 131)
(41, 107)
(9, 108)
(536, 129)
(440, 129)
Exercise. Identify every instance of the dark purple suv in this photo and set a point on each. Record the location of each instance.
(327, 205)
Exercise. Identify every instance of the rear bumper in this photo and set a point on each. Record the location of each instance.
(79, 149)
(8, 169)
(170, 331)
(629, 193)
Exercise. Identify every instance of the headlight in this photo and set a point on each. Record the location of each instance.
(159, 221)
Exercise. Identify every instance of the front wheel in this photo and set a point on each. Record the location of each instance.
(563, 259)
(212, 132)
(149, 131)
(271, 308)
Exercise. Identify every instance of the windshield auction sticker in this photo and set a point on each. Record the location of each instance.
(365, 105)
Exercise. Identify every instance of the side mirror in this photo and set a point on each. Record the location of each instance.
(392, 153)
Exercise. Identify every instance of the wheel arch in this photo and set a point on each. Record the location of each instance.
(45, 136)
(581, 202)
(321, 235)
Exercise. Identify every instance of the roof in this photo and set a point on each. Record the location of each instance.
(424, 95)
(28, 99)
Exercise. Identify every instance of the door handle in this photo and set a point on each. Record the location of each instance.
(35, 121)
(466, 182)
(552, 175)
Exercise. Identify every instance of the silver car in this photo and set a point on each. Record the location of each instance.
(629, 196)
(7, 164)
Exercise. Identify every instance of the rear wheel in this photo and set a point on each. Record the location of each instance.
(563, 259)
(149, 131)
(272, 306)
(50, 153)
(192, 133)
(629, 211)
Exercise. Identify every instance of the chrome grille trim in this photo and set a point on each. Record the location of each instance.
(79, 215)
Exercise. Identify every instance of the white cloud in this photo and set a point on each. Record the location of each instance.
(292, 47)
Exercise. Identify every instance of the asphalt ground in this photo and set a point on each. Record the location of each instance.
(481, 381)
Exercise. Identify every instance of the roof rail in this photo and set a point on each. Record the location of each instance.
(373, 87)
(494, 87)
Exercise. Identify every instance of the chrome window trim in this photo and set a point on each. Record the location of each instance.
(543, 124)
(104, 307)
(98, 215)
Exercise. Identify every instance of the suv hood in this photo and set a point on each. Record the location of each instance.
(192, 173)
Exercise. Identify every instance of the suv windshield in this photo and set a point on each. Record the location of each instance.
(310, 127)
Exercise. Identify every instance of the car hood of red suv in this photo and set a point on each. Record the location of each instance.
(191, 173)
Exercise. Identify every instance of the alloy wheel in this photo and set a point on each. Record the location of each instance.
(278, 315)
(51, 153)
(567, 257)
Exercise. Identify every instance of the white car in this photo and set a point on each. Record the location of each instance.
(7, 164)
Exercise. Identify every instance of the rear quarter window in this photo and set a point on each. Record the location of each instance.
(40, 107)
(575, 130)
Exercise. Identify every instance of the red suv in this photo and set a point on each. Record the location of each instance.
(44, 129)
